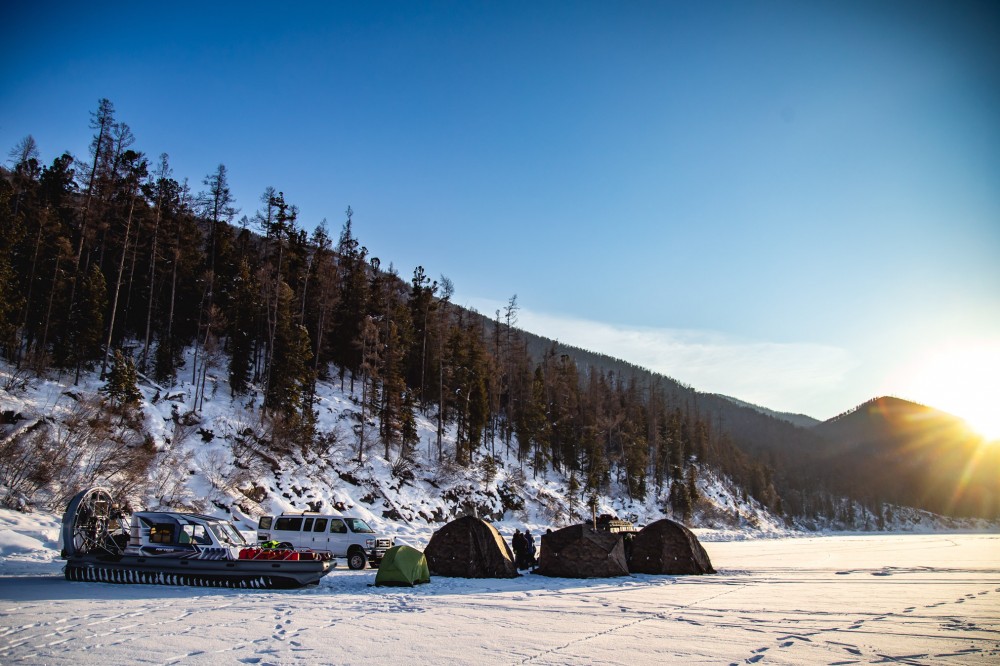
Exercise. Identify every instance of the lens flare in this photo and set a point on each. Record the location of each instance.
(963, 380)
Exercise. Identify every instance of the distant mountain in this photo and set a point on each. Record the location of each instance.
(911, 454)
(885, 451)
(800, 420)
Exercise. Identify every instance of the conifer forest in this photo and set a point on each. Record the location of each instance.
(111, 262)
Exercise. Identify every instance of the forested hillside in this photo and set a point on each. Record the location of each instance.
(914, 455)
(109, 261)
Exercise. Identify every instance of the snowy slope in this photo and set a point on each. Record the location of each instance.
(202, 464)
(199, 467)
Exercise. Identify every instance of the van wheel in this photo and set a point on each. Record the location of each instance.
(356, 559)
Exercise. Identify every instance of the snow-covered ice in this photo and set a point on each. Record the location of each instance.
(903, 598)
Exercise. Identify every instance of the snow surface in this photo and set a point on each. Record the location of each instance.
(906, 598)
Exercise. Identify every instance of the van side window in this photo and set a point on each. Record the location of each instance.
(288, 524)
(337, 527)
(308, 525)
(320, 525)
(265, 523)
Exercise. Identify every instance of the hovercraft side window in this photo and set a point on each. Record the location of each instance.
(161, 533)
(195, 534)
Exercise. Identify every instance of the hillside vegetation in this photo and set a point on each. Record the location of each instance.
(116, 276)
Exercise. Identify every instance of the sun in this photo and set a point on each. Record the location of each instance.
(963, 380)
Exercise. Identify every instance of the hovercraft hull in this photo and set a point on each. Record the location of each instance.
(242, 574)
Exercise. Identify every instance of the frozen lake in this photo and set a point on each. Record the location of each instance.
(913, 599)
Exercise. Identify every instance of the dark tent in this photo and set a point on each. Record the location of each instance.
(404, 566)
(666, 547)
(580, 551)
(469, 547)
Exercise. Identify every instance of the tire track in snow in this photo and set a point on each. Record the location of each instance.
(667, 615)
(858, 626)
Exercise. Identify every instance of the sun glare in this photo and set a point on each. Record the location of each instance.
(964, 381)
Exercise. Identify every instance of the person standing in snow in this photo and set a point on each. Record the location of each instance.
(517, 544)
(529, 550)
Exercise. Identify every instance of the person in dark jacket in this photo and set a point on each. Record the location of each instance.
(529, 549)
(518, 545)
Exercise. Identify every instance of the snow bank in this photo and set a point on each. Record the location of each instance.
(12, 543)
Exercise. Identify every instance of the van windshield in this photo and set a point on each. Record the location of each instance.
(358, 525)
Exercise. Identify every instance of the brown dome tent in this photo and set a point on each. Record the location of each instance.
(469, 547)
(580, 551)
(666, 547)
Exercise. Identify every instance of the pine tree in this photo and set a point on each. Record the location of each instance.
(158, 190)
(530, 417)
(408, 429)
(242, 309)
(370, 347)
(80, 342)
(318, 307)
(422, 306)
(290, 361)
(122, 387)
(103, 120)
(136, 170)
(352, 302)
(10, 298)
(183, 259)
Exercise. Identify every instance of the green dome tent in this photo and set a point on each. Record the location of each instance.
(403, 566)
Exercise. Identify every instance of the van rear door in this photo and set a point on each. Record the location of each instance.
(264, 528)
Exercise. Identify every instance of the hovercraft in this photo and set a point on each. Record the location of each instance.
(103, 543)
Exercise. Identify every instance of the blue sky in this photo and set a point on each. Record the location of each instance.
(794, 203)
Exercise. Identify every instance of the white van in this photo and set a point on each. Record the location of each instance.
(342, 536)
